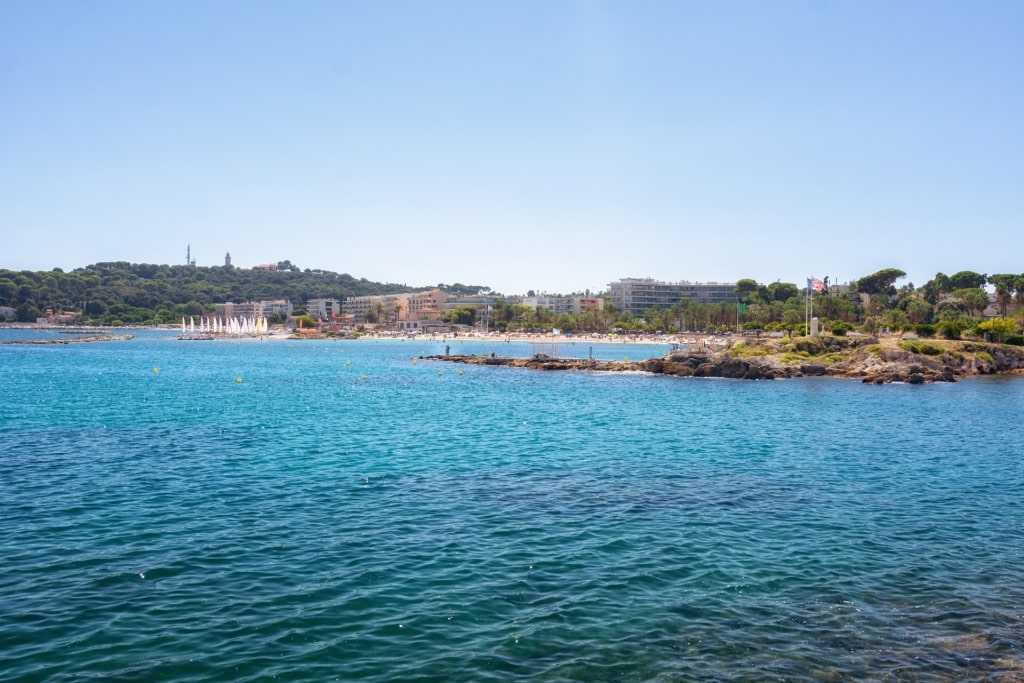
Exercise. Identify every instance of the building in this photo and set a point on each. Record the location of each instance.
(381, 306)
(426, 305)
(324, 309)
(636, 295)
(408, 310)
(254, 309)
(269, 308)
(558, 305)
(227, 259)
(251, 309)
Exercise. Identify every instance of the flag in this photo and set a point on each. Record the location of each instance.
(815, 284)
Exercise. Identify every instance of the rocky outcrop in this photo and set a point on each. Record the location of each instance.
(71, 340)
(860, 358)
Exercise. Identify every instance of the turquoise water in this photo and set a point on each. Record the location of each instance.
(307, 524)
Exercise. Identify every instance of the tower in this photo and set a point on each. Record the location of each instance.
(227, 259)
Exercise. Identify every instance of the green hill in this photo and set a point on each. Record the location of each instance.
(121, 292)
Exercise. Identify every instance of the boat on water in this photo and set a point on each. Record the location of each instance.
(190, 334)
(211, 328)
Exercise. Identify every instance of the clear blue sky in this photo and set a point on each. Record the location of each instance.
(548, 145)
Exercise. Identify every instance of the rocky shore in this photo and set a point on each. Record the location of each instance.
(72, 340)
(866, 358)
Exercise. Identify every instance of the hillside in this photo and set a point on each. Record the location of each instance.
(145, 293)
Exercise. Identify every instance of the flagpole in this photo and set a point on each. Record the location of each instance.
(807, 298)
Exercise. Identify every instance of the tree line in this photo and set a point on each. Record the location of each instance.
(946, 305)
(114, 293)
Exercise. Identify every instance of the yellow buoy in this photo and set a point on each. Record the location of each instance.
(460, 372)
(364, 376)
(414, 361)
(348, 363)
(238, 379)
(156, 371)
(439, 373)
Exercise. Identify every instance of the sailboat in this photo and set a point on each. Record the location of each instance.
(191, 334)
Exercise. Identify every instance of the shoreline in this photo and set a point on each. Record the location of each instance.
(870, 360)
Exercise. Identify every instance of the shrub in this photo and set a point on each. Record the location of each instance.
(1015, 340)
(919, 348)
(841, 328)
(743, 350)
(924, 330)
(950, 329)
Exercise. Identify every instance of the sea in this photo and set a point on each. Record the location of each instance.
(351, 510)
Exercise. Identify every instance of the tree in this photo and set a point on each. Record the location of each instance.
(376, 313)
(881, 282)
(999, 328)
(744, 288)
(878, 303)
(27, 313)
(790, 320)
(783, 291)
(1004, 285)
(918, 311)
(894, 318)
(463, 315)
(967, 279)
(1018, 286)
(942, 283)
(974, 298)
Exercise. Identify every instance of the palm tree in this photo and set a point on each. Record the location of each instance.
(1004, 290)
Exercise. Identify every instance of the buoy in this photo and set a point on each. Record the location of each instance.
(238, 380)
(439, 373)
(348, 363)
(364, 376)
(460, 372)
(414, 361)
(156, 371)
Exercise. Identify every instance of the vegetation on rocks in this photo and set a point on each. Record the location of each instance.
(870, 360)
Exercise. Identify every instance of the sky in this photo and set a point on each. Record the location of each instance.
(547, 145)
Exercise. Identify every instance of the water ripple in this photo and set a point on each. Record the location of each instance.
(499, 524)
